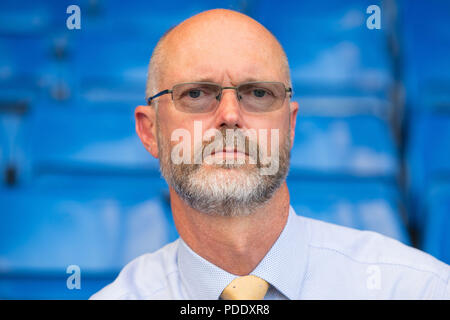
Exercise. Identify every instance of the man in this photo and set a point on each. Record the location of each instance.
(217, 74)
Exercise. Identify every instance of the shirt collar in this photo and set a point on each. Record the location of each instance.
(283, 266)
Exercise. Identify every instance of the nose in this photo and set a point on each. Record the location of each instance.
(228, 111)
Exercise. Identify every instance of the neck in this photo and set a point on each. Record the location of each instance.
(235, 244)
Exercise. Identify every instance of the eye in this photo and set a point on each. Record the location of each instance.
(259, 93)
(194, 93)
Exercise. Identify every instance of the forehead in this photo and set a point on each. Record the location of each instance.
(222, 49)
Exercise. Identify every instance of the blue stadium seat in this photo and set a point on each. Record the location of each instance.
(428, 156)
(148, 16)
(32, 17)
(66, 139)
(328, 45)
(102, 56)
(357, 146)
(13, 143)
(340, 104)
(21, 58)
(119, 47)
(426, 48)
(356, 204)
(436, 238)
(339, 66)
(97, 223)
(109, 70)
(28, 68)
(26, 17)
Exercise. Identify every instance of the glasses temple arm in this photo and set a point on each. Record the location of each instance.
(149, 100)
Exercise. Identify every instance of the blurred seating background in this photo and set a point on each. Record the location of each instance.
(372, 145)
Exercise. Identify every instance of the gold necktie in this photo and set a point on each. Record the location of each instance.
(245, 288)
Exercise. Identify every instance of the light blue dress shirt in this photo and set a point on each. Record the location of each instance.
(310, 260)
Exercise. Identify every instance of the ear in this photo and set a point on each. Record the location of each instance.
(145, 117)
(293, 118)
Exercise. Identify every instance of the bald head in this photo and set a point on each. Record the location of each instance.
(217, 45)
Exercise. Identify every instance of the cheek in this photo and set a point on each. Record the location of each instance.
(273, 121)
(272, 131)
(183, 131)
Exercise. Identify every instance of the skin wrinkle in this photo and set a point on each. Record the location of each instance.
(242, 49)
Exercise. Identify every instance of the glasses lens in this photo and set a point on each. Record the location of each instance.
(195, 97)
(262, 96)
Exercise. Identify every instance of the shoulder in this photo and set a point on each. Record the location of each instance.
(146, 277)
(403, 270)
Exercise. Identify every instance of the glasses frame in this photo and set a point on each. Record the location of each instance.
(219, 97)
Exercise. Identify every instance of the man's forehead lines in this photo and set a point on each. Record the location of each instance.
(217, 76)
(216, 80)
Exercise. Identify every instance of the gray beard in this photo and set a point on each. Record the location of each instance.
(223, 189)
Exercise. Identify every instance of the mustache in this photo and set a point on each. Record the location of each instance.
(229, 139)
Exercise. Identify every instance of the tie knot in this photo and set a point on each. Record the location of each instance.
(246, 288)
